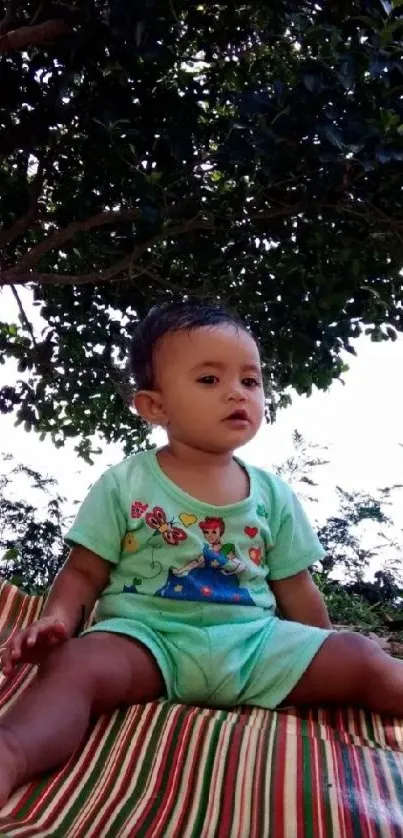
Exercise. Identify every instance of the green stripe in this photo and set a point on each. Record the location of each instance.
(364, 757)
(147, 757)
(370, 729)
(264, 746)
(165, 779)
(350, 791)
(92, 777)
(383, 777)
(211, 733)
(326, 754)
(228, 758)
(307, 787)
(274, 747)
(396, 776)
(34, 797)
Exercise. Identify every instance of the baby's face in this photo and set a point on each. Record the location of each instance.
(211, 386)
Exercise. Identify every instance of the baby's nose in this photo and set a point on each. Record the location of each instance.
(236, 394)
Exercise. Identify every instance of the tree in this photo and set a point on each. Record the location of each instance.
(298, 468)
(31, 543)
(342, 538)
(250, 152)
(342, 533)
(351, 545)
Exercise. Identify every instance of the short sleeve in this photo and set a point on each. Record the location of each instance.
(100, 524)
(296, 545)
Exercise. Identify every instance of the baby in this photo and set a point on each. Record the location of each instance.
(187, 551)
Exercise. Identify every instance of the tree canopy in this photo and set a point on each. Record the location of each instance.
(250, 152)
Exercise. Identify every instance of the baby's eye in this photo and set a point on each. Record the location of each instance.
(250, 382)
(207, 379)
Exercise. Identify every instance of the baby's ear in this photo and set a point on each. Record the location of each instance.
(148, 404)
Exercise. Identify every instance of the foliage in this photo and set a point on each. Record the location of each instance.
(32, 543)
(343, 535)
(345, 607)
(147, 150)
(298, 467)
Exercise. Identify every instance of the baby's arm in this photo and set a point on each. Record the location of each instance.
(77, 587)
(299, 600)
(73, 593)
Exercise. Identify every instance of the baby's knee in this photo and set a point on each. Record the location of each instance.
(365, 661)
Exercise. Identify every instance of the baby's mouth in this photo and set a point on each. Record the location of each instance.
(238, 416)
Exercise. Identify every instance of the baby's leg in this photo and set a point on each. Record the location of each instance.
(351, 669)
(87, 675)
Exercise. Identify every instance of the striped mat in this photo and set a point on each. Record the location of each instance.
(167, 771)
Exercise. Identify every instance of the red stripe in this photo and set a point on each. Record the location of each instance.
(317, 782)
(229, 783)
(151, 710)
(196, 768)
(277, 777)
(61, 781)
(300, 790)
(344, 811)
(256, 813)
(168, 754)
(163, 815)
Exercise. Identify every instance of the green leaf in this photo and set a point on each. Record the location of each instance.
(334, 136)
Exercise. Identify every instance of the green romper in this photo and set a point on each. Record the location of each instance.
(189, 581)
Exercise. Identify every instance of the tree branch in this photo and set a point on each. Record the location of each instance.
(22, 273)
(27, 36)
(376, 216)
(17, 276)
(101, 219)
(60, 237)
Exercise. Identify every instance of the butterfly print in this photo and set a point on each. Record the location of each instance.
(157, 520)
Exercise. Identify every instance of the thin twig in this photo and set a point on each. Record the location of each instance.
(23, 316)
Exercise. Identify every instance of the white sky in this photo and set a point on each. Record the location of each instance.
(360, 422)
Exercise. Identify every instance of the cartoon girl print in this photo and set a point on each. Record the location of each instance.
(157, 520)
(224, 559)
(199, 580)
(213, 529)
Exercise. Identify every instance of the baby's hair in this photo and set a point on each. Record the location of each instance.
(171, 317)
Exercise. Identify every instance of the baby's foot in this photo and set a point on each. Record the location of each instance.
(11, 766)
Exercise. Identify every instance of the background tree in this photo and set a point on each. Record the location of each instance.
(359, 535)
(249, 151)
(31, 538)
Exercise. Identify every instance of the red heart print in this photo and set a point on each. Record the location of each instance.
(138, 508)
(255, 554)
(251, 531)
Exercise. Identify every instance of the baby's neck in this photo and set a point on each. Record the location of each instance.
(196, 458)
(213, 478)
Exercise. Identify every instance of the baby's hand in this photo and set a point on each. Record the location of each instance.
(32, 644)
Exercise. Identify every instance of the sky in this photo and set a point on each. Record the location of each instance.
(360, 422)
